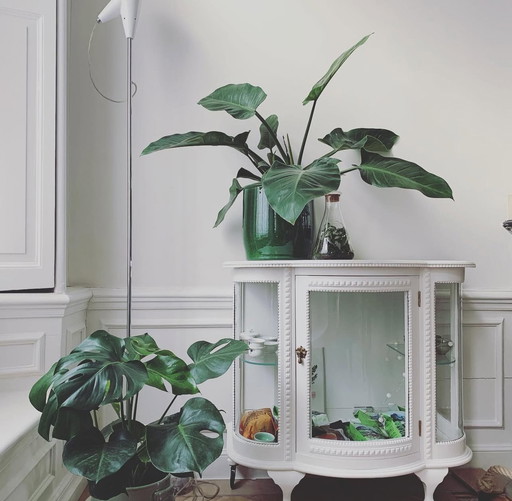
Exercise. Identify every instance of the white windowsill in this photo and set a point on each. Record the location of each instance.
(17, 417)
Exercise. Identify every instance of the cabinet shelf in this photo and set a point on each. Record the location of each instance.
(269, 360)
(440, 359)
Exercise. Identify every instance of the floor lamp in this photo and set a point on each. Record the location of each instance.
(128, 10)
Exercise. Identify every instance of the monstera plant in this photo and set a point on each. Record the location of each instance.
(105, 370)
(289, 185)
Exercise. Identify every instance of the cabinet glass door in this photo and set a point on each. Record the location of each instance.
(448, 367)
(257, 323)
(358, 366)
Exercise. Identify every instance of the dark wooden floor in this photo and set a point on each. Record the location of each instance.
(461, 484)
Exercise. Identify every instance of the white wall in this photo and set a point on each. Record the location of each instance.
(437, 73)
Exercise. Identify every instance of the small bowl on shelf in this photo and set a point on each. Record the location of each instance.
(263, 436)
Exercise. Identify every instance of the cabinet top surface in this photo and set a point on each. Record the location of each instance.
(356, 263)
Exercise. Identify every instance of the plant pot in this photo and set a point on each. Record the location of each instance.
(269, 236)
(162, 490)
(119, 497)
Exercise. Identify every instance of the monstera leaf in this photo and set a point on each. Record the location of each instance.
(93, 374)
(39, 392)
(239, 100)
(181, 445)
(89, 456)
(167, 366)
(71, 422)
(394, 172)
(91, 384)
(290, 187)
(213, 360)
(100, 346)
(138, 347)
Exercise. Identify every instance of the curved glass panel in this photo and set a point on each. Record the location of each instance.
(448, 367)
(257, 323)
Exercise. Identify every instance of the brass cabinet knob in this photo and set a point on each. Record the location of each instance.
(301, 353)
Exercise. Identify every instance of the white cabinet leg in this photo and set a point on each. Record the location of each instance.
(286, 480)
(431, 478)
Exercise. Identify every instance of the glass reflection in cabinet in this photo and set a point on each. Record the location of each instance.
(359, 365)
(448, 367)
(257, 323)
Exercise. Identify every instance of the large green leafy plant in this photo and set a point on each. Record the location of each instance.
(289, 185)
(105, 370)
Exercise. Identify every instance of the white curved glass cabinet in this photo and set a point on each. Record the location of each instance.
(353, 369)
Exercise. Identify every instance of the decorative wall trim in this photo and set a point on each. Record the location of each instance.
(488, 300)
(41, 305)
(162, 299)
(168, 323)
(491, 447)
(27, 354)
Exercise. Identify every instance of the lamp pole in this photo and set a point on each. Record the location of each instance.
(128, 11)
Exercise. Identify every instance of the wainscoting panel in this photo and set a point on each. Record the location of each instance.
(21, 353)
(35, 330)
(483, 373)
(487, 376)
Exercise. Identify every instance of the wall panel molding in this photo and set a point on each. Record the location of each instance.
(483, 373)
(21, 353)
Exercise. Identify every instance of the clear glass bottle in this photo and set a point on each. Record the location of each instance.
(332, 240)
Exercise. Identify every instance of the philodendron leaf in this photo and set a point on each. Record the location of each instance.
(266, 139)
(183, 446)
(290, 187)
(166, 365)
(247, 174)
(234, 190)
(377, 140)
(319, 87)
(212, 138)
(89, 456)
(239, 100)
(387, 172)
(213, 360)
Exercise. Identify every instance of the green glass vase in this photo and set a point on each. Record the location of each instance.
(269, 236)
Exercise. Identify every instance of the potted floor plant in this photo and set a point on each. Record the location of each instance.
(281, 177)
(105, 370)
